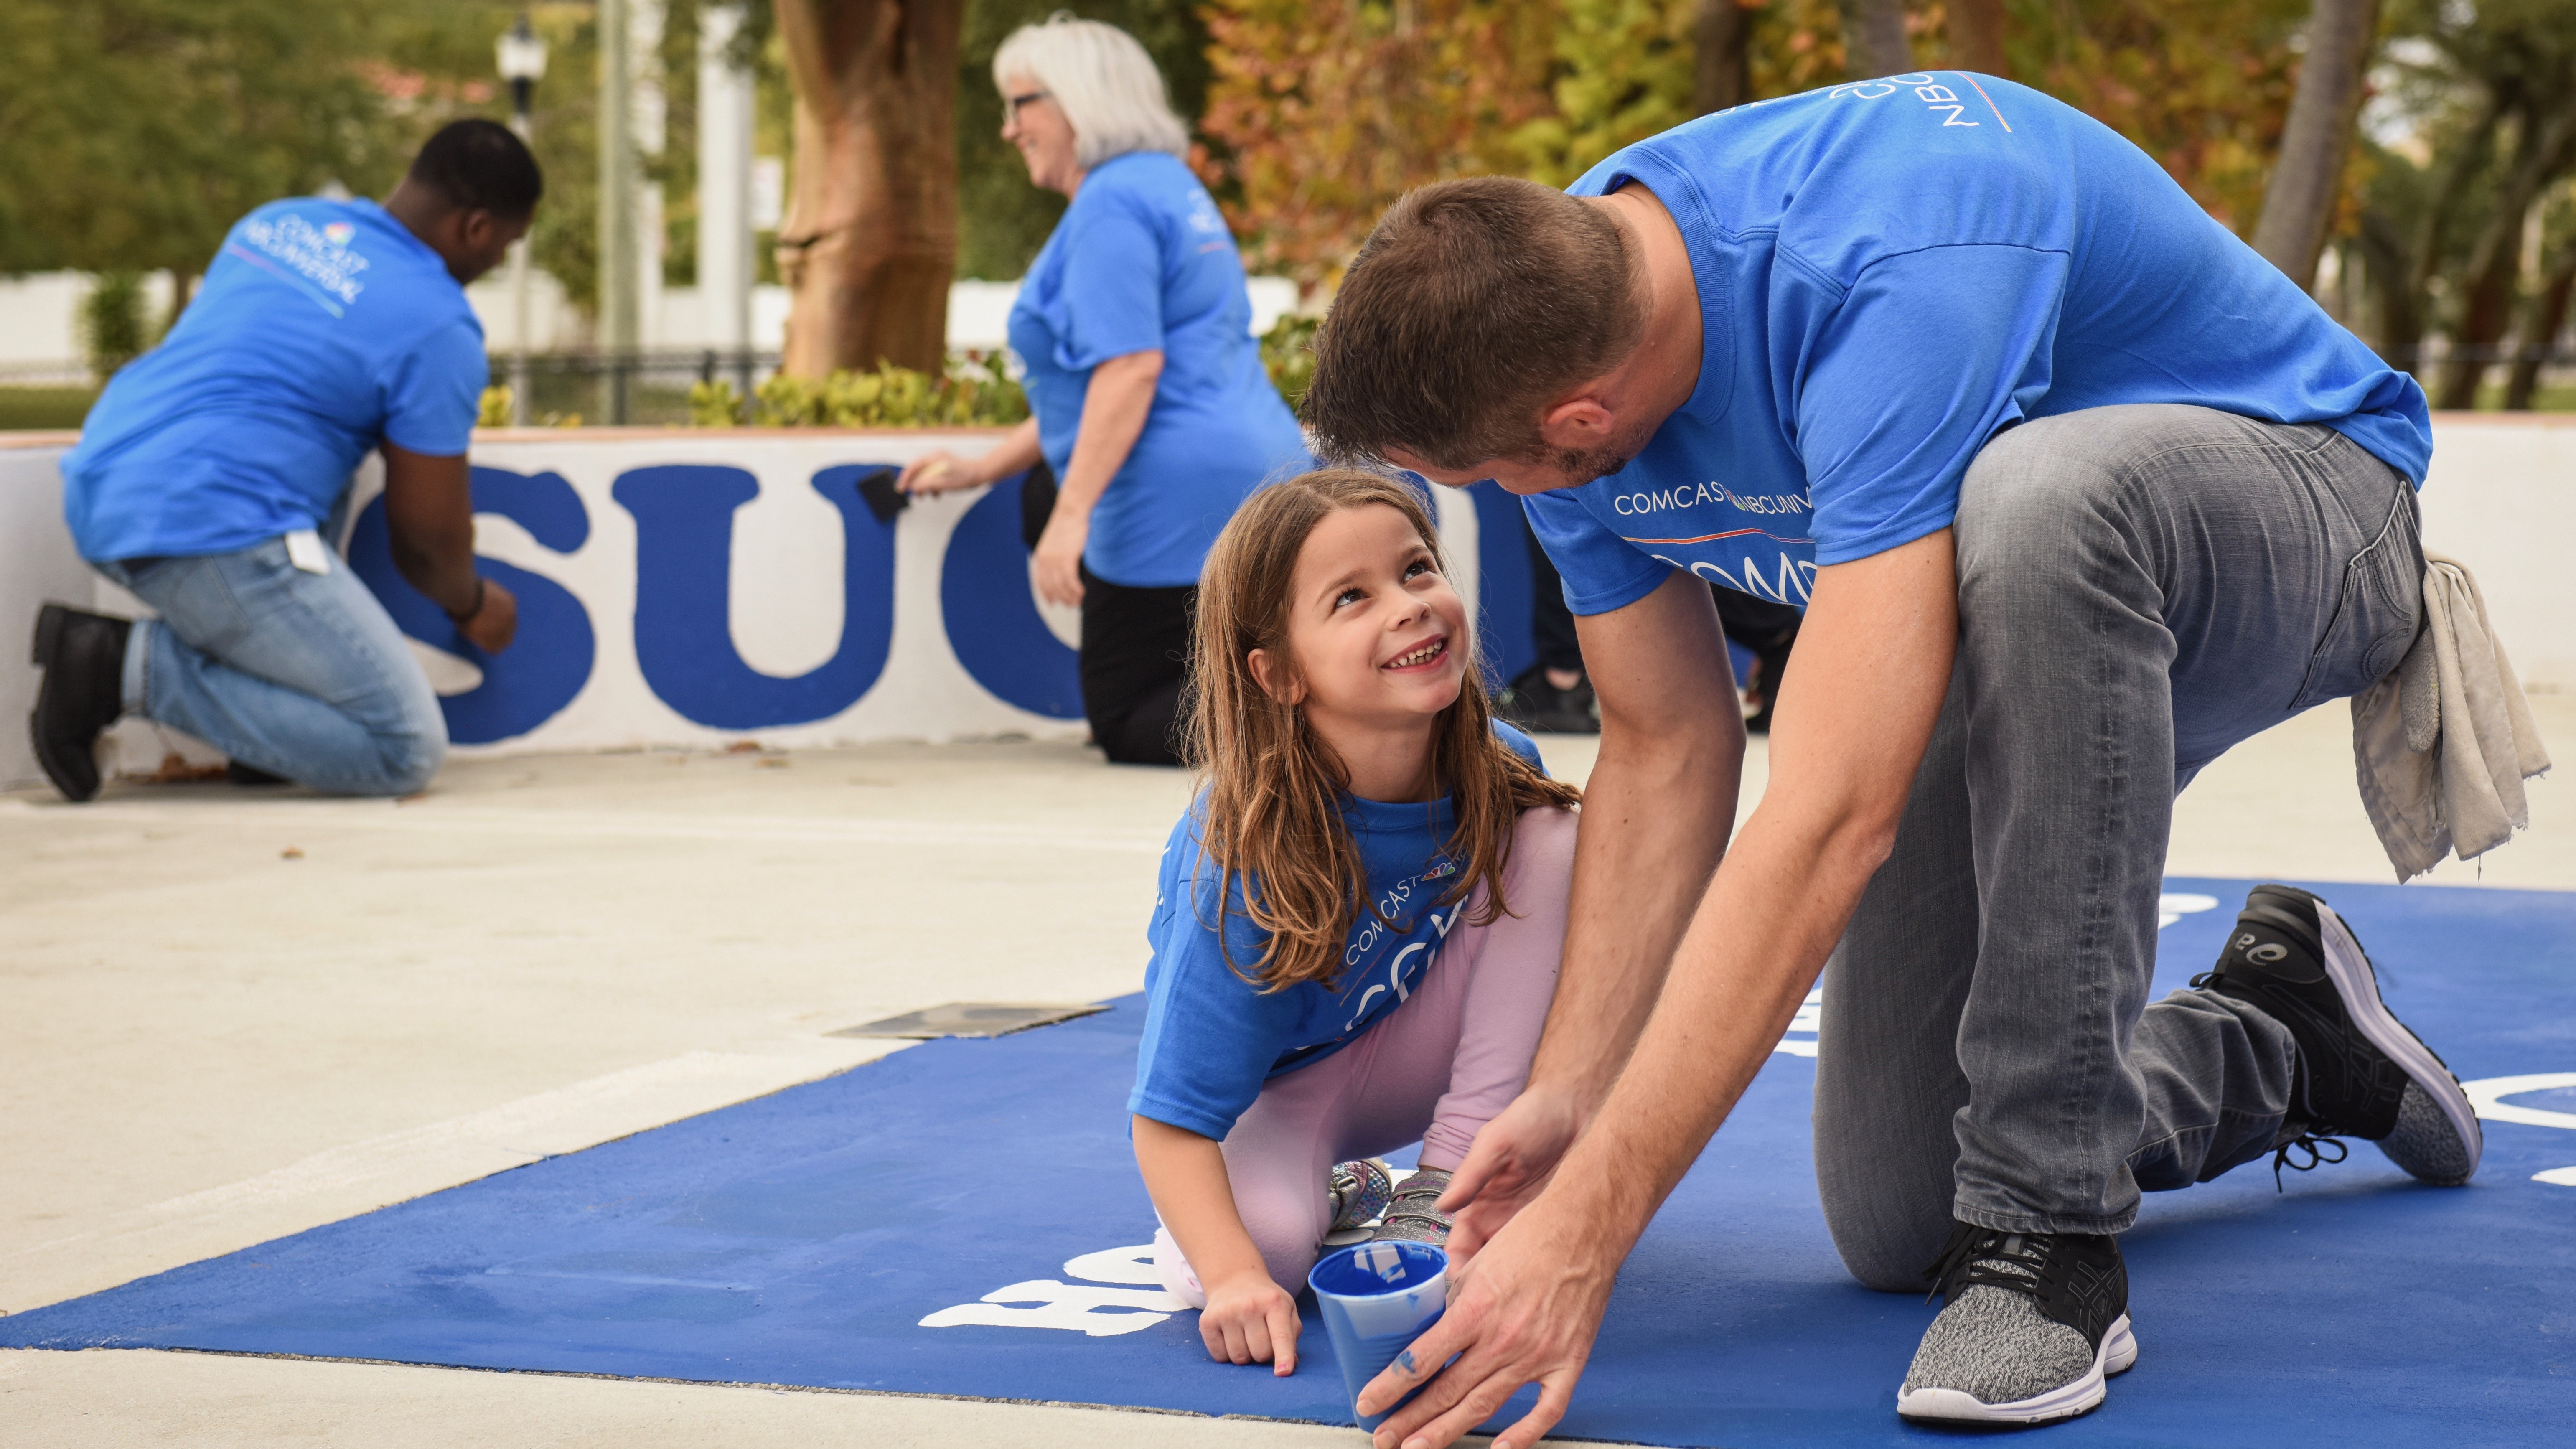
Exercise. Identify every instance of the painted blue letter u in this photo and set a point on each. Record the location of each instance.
(683, 626)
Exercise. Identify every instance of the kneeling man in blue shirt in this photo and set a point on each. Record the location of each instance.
(215, 465)
(2076, 492)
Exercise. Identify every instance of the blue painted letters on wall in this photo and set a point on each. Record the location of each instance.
(992, 617)
(683, 625)
(531, 681)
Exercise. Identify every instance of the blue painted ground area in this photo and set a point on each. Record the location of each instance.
(951, 1220)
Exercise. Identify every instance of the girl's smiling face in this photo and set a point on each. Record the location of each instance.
(1377, 637)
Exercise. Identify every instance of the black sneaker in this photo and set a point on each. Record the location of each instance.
(83, 656)
(2360, 1072)
(237, 773)
(2032, 1325)
(1533, 704)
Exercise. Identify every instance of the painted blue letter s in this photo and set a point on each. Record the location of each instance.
(531, 681)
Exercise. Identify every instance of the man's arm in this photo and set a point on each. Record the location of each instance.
(429, 515)
(1656, 814)
(1856, 710)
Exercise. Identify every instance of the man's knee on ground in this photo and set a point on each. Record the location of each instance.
(405, 764)
(1883, 1251)
(1883, 1272)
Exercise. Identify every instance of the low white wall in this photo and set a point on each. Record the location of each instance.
(36, 564)
(677, 588)
(2501, 498)
(691, 588)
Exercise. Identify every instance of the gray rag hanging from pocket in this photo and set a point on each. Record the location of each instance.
(2444, 742)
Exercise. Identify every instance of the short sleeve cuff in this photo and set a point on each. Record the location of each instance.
(1155, 1108)
(1604, 596)
(1927, 517)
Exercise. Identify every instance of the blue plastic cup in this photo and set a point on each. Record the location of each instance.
(1377, 1298)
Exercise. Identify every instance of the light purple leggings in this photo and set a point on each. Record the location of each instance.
(1436, 1069)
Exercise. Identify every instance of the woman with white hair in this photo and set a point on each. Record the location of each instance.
(1151, 404)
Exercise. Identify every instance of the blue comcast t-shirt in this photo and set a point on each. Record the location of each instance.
(323, 328)
(1143, 261)
(1212, 1037)
(1891, 272)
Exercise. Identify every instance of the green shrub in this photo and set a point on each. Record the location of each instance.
(976, 393)
(113, 329)
(714, 405)
(1288, 351)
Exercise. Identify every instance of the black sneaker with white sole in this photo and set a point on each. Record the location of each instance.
(2033, 1323)
(2360, 1072)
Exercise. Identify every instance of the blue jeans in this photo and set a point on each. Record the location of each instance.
(2139, 588)
(302, 675)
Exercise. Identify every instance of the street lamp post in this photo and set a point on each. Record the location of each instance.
(522, 57)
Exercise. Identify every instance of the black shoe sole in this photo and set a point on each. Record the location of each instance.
(2358, 985)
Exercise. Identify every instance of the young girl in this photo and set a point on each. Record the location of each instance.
(1360, 918)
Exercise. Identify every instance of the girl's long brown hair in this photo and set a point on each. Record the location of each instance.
(1273, 814)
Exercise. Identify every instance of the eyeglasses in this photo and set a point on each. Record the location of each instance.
(1011, 104)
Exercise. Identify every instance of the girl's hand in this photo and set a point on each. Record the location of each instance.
(1248, 1319)
(1059, 560)
(939, 471)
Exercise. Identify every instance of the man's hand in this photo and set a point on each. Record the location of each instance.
(1059, 555)
(1525, 1312)
(1249, 1319)
(1514, 1156)
(492, 627)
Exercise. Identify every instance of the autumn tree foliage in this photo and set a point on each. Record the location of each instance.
(1322, 114)
(1325, 113)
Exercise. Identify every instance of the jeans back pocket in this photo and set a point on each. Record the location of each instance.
(2376, 612)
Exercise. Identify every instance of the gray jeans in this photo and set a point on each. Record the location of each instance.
(2139, 588)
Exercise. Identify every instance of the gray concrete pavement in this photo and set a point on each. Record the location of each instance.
(107, 1399)
(233, 1014)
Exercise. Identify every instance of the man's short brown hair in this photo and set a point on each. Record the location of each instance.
(1471, 306)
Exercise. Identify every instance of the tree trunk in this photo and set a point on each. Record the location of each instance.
(2391, 272)
(1977, 35)
(870, 241)
(2299, 204)
(2466, 162)
(1724, 74)
(1874, 38)
(2495, 262)
(2540, 329)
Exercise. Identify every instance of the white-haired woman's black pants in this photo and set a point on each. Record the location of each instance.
(1135, 653)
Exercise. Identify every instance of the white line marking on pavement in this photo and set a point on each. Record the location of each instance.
(435, 817)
